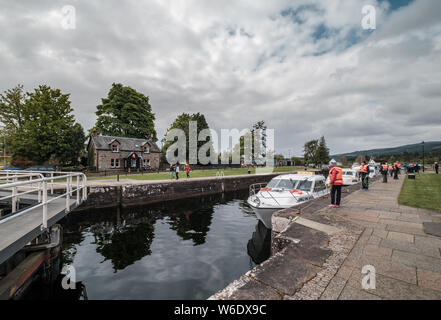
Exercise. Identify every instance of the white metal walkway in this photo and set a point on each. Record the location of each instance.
(20, 227)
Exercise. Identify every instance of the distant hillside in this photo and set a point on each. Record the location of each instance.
(432, 146)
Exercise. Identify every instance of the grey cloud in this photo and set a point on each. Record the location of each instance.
(185, 56)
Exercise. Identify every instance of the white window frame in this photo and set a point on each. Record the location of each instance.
(117, 148)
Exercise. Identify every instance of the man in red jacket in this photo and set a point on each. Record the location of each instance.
(336, 182)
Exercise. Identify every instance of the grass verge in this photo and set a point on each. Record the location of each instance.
(193, 174)
(423, 192)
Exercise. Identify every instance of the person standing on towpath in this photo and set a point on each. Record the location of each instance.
(177, 171)
(383, 170)
(396, 169)
(336, 182)
(187, 169)
(171, 171)
(364, 176)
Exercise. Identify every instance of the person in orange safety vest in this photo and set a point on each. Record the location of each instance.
(336, 182)
(383, 170)
(364, 176)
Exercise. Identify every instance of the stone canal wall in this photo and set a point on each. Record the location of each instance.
(133, 194)
(308, 246)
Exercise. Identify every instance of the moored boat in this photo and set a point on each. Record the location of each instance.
(285, 191)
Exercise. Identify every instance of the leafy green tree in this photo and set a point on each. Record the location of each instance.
(125, 113)
(360, 159)
(12, 103)
(343, 160)
(47, 129)
(310, 151)
(182, 122)
(256, 133)
(322, 151)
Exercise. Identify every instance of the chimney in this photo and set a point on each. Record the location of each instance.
(94, 132)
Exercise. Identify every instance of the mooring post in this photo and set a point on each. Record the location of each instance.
(14, 197)
(78, 190)
(52, 183)
(39, 192)
(68, 194)
(117, 177)
(45, 204)
(84, 188)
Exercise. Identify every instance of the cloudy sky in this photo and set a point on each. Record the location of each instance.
(306, 67)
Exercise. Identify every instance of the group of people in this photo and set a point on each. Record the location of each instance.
(336, 178)
(392, 169)
(413, 167)
(174, 170)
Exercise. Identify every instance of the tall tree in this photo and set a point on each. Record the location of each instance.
(256, 133)
(12, 103)
(47, 129)
(360, 159)
(310, 151)
(125, 113)
(322, 151)
(182, 122)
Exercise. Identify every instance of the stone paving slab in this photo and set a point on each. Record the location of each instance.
(312, 261)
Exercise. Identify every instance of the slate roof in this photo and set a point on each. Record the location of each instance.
(126, 144)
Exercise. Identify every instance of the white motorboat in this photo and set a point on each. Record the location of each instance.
(285, 191)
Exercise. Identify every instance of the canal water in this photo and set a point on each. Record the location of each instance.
(186, 249)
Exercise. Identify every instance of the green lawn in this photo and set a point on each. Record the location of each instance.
(193, 174)
(423, 192)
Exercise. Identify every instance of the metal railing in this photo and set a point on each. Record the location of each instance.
(260, 187)
(21, 183)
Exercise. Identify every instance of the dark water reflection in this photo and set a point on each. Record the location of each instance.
(185, 249)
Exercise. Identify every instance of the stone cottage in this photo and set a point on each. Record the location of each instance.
(117, 153)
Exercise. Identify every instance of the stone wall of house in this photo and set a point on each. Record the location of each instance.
(104, 159)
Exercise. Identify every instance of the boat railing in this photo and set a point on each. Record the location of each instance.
(266, 194)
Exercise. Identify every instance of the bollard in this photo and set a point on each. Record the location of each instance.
(117, 177)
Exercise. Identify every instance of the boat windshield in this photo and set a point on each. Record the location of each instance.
(273, 183)
(304, 185)
(282, 184)
(286, 184)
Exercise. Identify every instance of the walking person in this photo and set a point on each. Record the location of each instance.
(171, 171)
(364, 176)
(177, 171)
(391, 170)
(383, 170)
(336, 183)
(396, 168)
(436, 167)
(187, 170)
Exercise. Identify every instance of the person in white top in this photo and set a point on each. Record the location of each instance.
(177, 171)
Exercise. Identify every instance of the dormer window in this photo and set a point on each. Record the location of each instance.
(146, 149)
(115, 148)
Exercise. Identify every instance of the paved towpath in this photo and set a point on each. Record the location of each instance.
(406, 259)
